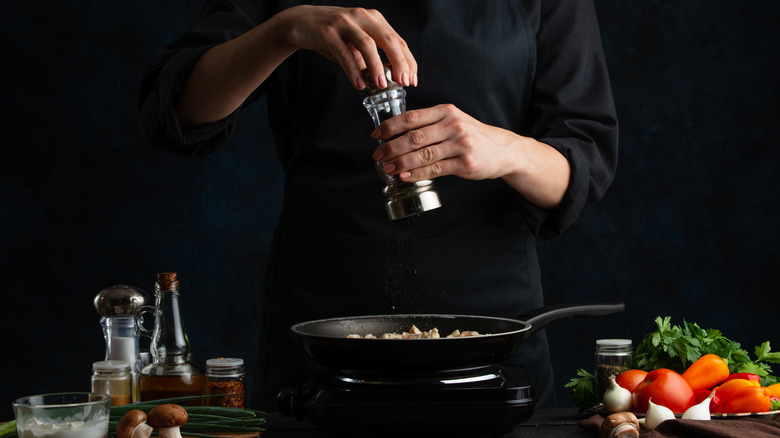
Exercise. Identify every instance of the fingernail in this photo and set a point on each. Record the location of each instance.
(381, 80)
(378, 154)
(414, 79)
(405, 79)
(405, 175)
(360, 83)
(376, 133)
(388, 168)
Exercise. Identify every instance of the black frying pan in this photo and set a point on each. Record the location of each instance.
(326, 340)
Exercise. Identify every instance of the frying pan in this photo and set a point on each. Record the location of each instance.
(326, 341)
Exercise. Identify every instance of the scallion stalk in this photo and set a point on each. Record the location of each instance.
(202, 420)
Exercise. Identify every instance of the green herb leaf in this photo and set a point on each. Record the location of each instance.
(764, 353)
(583, 390)
(677, 346)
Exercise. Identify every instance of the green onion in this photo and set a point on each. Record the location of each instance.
(8, 429)
(202, 420)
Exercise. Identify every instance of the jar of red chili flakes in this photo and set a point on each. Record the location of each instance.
(226, 376)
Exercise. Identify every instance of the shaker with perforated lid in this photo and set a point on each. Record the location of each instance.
(403, 199)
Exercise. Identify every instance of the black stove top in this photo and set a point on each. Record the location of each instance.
(478, 399)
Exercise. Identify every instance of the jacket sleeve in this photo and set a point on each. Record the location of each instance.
(572, 109)
(162, 85)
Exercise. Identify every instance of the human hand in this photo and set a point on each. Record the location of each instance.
(351, 37)
(443, 140)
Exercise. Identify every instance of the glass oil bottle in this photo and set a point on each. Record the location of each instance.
(171, 373)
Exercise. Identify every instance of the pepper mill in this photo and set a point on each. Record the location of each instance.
(403, 199)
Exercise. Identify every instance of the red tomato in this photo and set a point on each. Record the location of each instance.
(702, 394)
(666, 388)
(630, 379)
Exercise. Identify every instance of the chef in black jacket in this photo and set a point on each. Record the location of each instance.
(510, 111)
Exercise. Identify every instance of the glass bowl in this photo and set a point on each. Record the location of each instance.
(63, 415)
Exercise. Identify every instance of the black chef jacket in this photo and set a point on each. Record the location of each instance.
(535, 67)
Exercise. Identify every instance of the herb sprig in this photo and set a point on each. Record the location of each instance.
(676, 347)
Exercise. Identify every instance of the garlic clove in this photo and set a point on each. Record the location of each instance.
(699, 411)
(616, 398)
(657, 414)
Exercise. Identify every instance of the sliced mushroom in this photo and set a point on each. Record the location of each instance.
(133, 425)
(620, 425)
(167, 419)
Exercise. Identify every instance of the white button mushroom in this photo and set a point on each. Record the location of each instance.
(133, 425)
(167, 419)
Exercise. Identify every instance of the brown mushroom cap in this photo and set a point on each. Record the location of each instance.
(622, 424)
(166, 416)
(128, 422)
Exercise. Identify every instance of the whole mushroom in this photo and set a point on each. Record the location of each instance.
(167, 419)
(620, 425)
(133, 425)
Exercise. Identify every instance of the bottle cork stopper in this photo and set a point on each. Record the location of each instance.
(167, 281)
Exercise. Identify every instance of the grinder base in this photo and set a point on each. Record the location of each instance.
(409, 199)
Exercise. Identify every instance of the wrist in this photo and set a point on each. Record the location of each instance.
(538, 172)
(281, 28)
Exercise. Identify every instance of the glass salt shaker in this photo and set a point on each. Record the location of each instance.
(117, 306)
(113, 377)
(613, 357)
(226, 376)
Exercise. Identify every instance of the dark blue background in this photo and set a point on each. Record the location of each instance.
(689, 228)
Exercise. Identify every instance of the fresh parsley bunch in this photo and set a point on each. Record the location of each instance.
(676, 347)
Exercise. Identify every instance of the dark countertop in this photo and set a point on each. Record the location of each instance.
(544, 423)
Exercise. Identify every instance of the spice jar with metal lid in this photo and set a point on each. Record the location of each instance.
(613, 357)
(226, 375)
(113, 377)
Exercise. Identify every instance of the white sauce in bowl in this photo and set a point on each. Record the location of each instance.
(34, 428)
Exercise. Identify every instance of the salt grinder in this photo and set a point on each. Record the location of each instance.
(402, 199)
(117, 306)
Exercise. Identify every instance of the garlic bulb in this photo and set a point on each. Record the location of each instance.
(699, 411)
(657, 414)
(616, 398)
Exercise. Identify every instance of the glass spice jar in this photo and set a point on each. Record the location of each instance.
(613, 357)
(113, 377)
(226, 376)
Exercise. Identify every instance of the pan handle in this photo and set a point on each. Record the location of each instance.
(539, 318)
